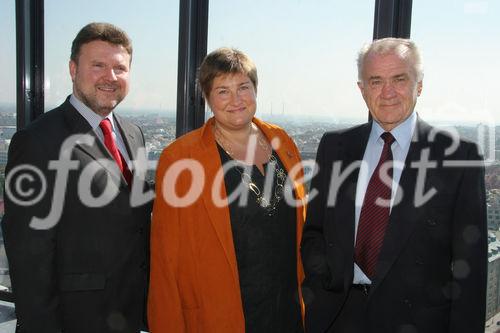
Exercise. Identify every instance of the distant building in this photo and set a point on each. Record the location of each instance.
(154, 155)
(4, 149)
(493, 292)
(308, 155)
(6, 132)
(3, 157)
(493, 209)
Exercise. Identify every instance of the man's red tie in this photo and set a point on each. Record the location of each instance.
(109, 142)
(374, 217)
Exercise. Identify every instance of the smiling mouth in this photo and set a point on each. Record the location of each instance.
(107, 89)
(389, 105)
(237, 110)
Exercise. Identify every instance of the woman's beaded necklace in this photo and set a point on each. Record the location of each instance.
(269, 204)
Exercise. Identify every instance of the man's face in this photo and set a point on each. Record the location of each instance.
(390, 89)
(101, 75)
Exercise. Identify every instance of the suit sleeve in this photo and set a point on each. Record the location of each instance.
(470, 251)
(30, 252)
(313, 241)
(164, 305)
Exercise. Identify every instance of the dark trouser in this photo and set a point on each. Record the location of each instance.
(351, 317)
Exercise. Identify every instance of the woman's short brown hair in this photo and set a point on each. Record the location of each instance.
(222, 61)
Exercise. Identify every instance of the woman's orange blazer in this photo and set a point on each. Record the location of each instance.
(194, 284)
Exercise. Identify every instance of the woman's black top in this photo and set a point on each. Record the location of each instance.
(265, 247)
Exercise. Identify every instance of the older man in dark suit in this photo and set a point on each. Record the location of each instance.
(76, 222)
(395, 235)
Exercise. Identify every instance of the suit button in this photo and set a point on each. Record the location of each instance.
(431, 223)
(407, 303)
(330, 244)
(419, 261)
(141, 231)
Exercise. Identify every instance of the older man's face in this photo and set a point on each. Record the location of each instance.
(390, 89)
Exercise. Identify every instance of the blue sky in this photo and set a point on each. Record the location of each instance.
(460, 45)
(304, 50)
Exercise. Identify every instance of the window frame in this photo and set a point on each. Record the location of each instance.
(392, 18)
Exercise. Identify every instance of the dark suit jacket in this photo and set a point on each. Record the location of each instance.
(88, 273)
(431, 273)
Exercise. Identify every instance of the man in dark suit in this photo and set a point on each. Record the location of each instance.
(76, 222)
(395, 236)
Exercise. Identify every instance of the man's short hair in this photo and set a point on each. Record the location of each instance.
(106, 32)
(405, 48)
(225, 61)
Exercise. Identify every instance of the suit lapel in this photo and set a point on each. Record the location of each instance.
(129, 136)
(208, 155)
(134, 141)
(288, 156)
(403, 216)
(284, 151)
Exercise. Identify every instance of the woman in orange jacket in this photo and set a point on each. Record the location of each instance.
(228, 216)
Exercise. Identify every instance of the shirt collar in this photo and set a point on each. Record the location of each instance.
(402, 133)
(92, 118)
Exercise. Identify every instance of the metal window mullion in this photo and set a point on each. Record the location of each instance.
(392, 18)
(29, 60)
(193, 33)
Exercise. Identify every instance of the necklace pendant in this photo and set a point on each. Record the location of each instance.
(254, 188)
(281, 174)
(263, 202)
(278, 191)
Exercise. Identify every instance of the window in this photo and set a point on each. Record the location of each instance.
(459, 59)
(7, 130)
(304, 57)
(7, 111)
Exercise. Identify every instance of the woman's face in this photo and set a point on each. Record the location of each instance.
(233, 100)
